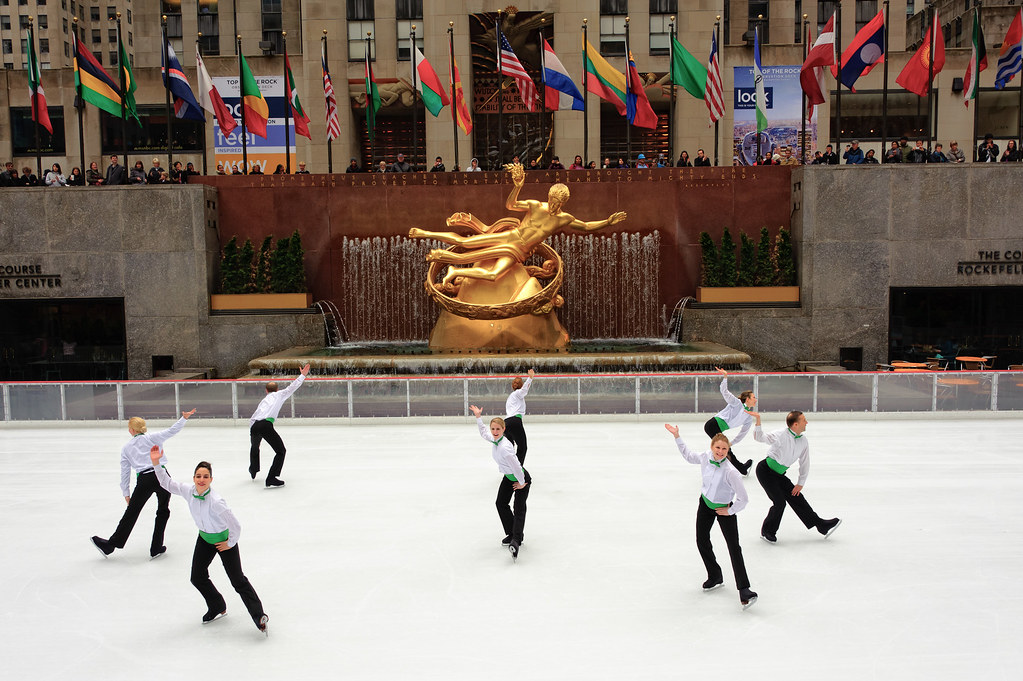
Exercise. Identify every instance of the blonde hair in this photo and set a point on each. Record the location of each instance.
(720, 437)
(137, 424)
(497, 419)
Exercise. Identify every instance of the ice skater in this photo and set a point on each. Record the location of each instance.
(135, 455)
(261, 427)
(722, 497)
(515, 481)
(787, 446)
(219, 531)
(514, 410)
(738, 411)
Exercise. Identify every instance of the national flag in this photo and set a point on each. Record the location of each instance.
(864, 52)
(372, 100)
(1010, 58)
(460, 110)
(333, 122)
(818, 72)
(129, 83)
(209, 97)
(428, 84)
(811, 74)
(714, 96)
(561, 92)
(96, 87)
(917, 73)
(511, 66)
(35, 86)
(687, 71)
(978, 62)
(758, 80)
(638, 109)
(604, 80)
(174, 79)
(255, 112)
(297, 113)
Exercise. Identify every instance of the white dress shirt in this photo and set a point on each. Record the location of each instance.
(515, 405)
(786, 448)
(734, 413)
(271, 405)
(135, 452)
(211, 514)
(503, 452)
(722, 484)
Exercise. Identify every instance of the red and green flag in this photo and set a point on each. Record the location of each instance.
(978, 62)
(428, 84)
(255, 112)
(372, 100)
(35, 86)
(297, 113)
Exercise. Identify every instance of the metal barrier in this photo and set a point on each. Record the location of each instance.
(371, 397)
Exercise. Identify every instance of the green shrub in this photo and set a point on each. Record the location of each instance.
(709, 265)
(747, 261)
(785, 259)
(727, 262)
(764, 271)
(261, 271)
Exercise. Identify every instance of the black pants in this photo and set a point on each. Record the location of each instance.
(146, 485)
(264, 430)
(779, 489)
(232, 560)
(730, 529)
(514, 431)
(712, 428)
(513, 521)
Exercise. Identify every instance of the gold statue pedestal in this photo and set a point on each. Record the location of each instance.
(523, 332)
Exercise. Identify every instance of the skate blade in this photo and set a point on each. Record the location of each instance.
(749, 604)
(514, 553)
(712, 588)
(832, 530)
(220, 615)
(96, 546)
(263, 626)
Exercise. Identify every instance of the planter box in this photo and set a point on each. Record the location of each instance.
(748, 294)
(260, 301)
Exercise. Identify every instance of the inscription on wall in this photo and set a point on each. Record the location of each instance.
(22, 276)
(1008, 261)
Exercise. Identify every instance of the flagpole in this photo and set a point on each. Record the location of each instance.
(166, 92)
(976, 88)
(198, 50)
(287, 109)
(370, 134)
(500, 96)
(241, 106)
(671, 95)
(35, 102)
(717, 40)
(454, 102)
(585, 93)
(884, 92)
(930, 78)
(756, 41)
(806, 51)
(838, 97)
(79, 101)
(628, 73)
(124, 93)
(330, 160)
(415, 94)
(543, 92)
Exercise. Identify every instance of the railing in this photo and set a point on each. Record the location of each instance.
(368, 397)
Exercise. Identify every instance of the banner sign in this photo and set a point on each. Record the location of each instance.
(265, 153)
(784, 115)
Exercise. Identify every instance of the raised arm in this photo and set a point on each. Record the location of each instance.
(155, 453)
(687, 454)
(518, 174)
(613, 219)
(484, 431)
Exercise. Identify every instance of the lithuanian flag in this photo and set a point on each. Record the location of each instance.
(604, 80)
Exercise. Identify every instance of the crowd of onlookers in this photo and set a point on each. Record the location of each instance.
(900, 151)
(115, 175)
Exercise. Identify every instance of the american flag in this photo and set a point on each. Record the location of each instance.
(714, 97)
(333, 124)
(511, 66)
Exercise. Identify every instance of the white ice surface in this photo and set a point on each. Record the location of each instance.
(381, 558)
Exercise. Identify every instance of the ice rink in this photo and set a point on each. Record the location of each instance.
(381, 558)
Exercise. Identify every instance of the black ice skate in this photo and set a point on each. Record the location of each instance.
(747, 598)
(513, 548)
(274, 483)
(827, 527)
(103, 546)
(214, 614)
(712, 584)
(262, 625)
(153, 555)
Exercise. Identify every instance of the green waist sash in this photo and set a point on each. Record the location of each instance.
(710, 504)
(213, 537)
(722, 424)
(776, 467)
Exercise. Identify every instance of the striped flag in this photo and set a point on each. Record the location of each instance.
(255, 112)
(130, 85)
(511, 66)
(298, 115)
(459, 109)
(604, 80)
(174, 79)
(428, 84)
(978, 62)
(758, 80)
(561, 91)
(96, 86)
(1009, 56)
(714, 97)
(333, 123)
(637, 106)
(35, 86)
(209, 97)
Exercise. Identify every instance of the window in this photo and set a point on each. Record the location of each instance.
(43, 21)
(758, 8)
(23, 134)
(113, 57)
(112, 35)
(129, 16)
(360, 22)
(862, 115)
(209, 26)
(865, 11)
(5, 22)
(959, 31)
(111, 12)
(612, 27)
(64, 24)
(23, 22)
(22, 2)
(44, 46)
(661, 12)
(152, 136)
(131, 43)
(24, 46)
(825, 8)
(8, 46)
(272, 23)
(40, 2)
(172, 8)
(409, 12)
(96, 35)
(67, 49)
(94, 13)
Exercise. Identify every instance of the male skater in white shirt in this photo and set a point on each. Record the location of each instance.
(261, 427)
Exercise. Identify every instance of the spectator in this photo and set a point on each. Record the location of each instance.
(641, 162)
(256, 169)
(1011, 153)
(236, 170)
(787, 159)
(905, 148)
(577, 164)
(382, 167)
(701, 159)
(28, 178)
(401, 165)
(830, 158)
(76, 179)
(353, 167)
(279, 170)
(937, 156)
(93, 177)
(54, 177)
(189, 172)
(220, 169)
(894, 154)
(555, 164)
(5, 176)
(917, 154)
(955, 154)
(662, 161)
(533, 165)
(474, 166)
(592, 165)
(153, 176)
(853, 154)
(301, 169)
(607, 163)
(621, 163)
(870, 159)
(164, 178)
(987, 152)
(137, 175)
(683, 160)
(438, 165)
(515, 160)
(177, 174)
(818, 159)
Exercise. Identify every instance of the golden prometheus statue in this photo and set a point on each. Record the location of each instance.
(491, 298)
